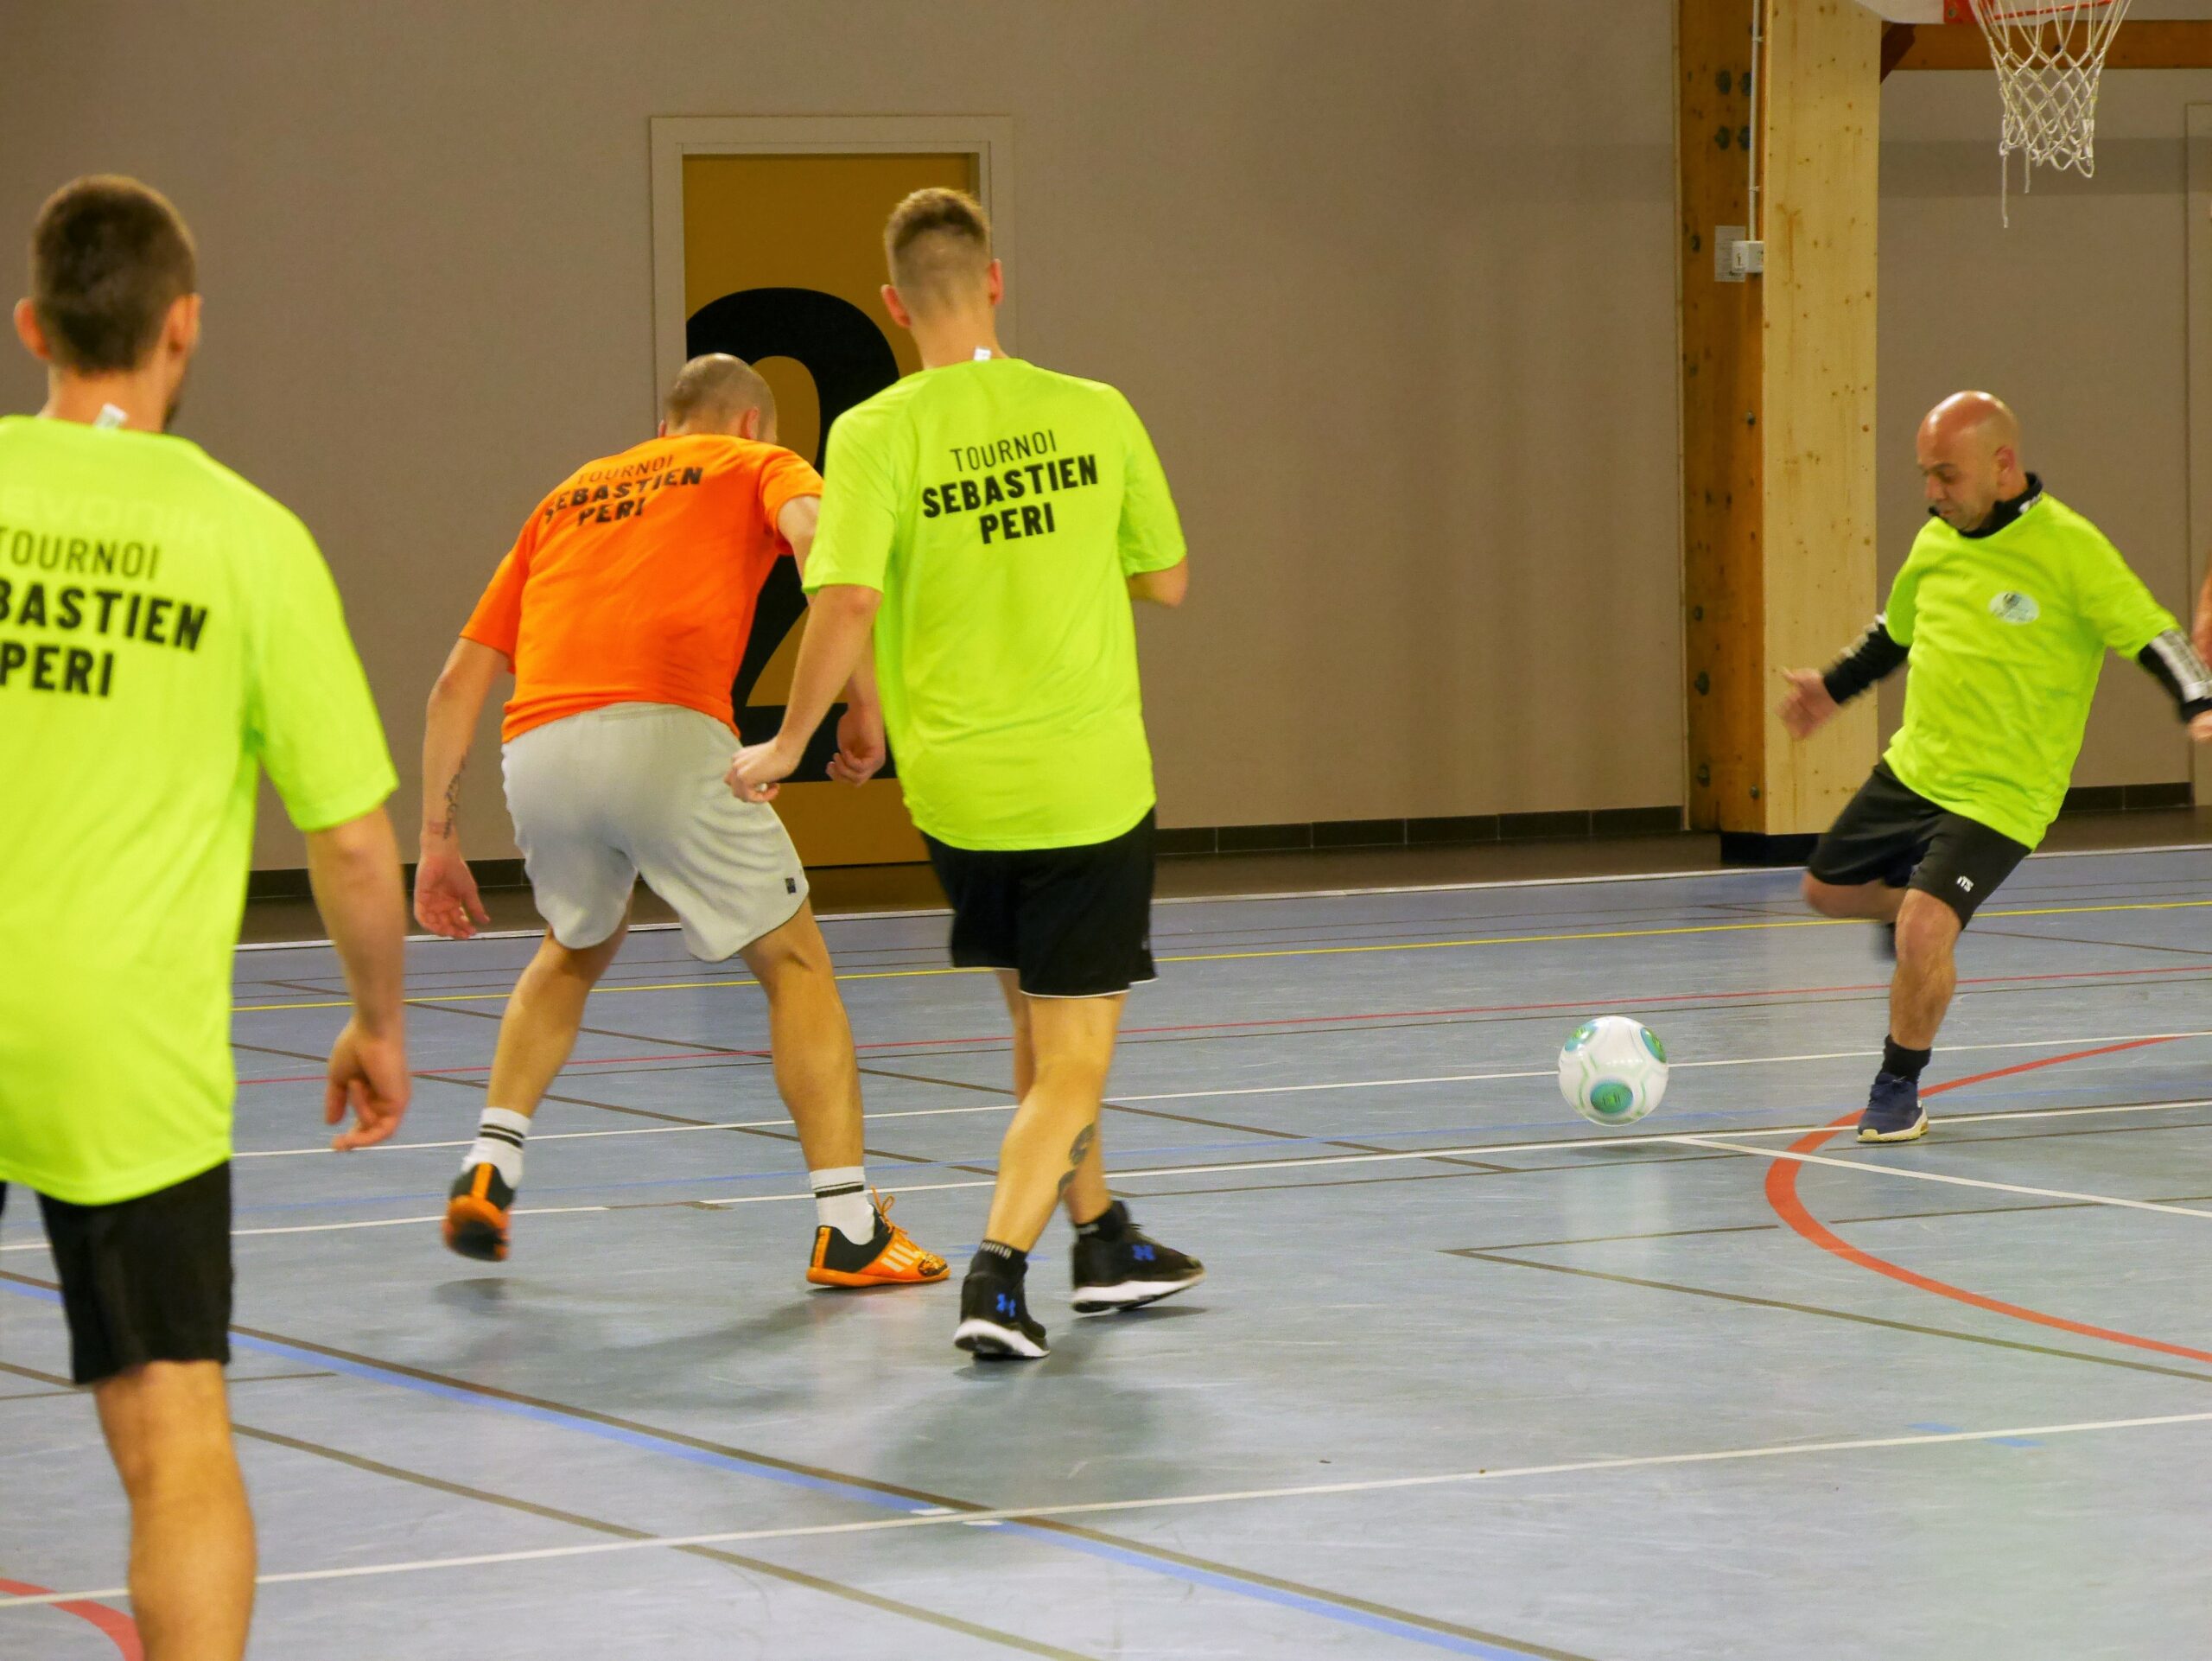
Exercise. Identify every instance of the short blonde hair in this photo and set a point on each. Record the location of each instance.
(938, 244)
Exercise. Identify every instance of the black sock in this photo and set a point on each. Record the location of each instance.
(997, 1258)
(1108, 1224)
(1905, 1063)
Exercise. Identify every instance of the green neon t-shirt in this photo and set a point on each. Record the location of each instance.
(2008, 633)
(1000, 509)
(166, 631)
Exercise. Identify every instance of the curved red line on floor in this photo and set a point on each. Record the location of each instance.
(1782, 1194)
(121, 1630)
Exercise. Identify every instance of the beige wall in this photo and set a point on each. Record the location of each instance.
(1391, 281)
(2077, 315)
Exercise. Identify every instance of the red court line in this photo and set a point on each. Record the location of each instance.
(1782, 1194)
(1644, 1002)
(121, 1630)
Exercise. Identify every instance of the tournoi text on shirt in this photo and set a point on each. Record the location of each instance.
(1012, 477)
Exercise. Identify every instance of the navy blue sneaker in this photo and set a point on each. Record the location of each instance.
(994, 1321)
(1893, 1111)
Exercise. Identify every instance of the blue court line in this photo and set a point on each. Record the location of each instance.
(1132, 1555)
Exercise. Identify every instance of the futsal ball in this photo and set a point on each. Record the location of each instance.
(1612, 1070)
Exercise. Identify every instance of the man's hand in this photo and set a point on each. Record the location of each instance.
(445, 900)
(368, 1072)
(2200, 730)
(862, 749)
(1807, 707)
(754, 776)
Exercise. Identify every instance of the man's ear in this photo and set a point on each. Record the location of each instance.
(896, 307)
(180, 328)
(996, 278)
(28, 331)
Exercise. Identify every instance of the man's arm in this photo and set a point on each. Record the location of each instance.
(445, 900)
(2202, 632)
(2175, 664)
(839, 622)
(1166, 588)
(861, 748)
(354, 869)
(1815, 696)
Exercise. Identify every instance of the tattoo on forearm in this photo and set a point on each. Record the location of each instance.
(451, 823)
(1077, 1153)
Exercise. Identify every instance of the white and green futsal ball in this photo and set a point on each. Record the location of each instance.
(1612, 1071)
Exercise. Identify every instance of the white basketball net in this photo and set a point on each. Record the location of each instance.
(2050, 59)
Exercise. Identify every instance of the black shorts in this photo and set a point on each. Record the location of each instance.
(1894, 835)
(1071, 922)
(147, 1279)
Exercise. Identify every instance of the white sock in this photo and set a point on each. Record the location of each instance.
(500, 1135)
(841, 1201)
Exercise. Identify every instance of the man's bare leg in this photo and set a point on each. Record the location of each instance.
(192, 1557)
(1920, 994)
(1874, 902)
(1088, 1196)
(816, 1072)
(1056, 1126)
(818, 1076)
(536, 1033)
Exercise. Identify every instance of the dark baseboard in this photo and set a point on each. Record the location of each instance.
(290, 883)
(1329, 835)
(2126, 798)
(1756, 848)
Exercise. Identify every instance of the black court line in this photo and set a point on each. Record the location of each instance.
(1119, 1542)
(600, 1525)
(1479, 1254)
(230, 1382)
(2075, 939)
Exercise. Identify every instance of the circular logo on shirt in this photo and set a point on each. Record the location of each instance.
(2013, 607)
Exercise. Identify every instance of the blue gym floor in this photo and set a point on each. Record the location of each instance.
(1467, 1375)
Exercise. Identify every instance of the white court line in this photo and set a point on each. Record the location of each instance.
(938, 1517)
(1291, 894)
(1474, 1151)
(1248, 1090)
(1877, 1167)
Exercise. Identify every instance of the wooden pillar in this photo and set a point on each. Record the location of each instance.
(1777, 379)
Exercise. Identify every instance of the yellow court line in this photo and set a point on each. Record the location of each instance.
(1303, 952)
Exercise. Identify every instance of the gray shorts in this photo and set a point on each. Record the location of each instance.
(601, 799)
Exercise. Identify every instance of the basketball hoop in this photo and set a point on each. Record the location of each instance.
(2050, 58)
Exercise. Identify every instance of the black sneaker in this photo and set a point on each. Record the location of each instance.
(1885, 943)
(995, 1323)
(1893, 1111)
(1128, 1269)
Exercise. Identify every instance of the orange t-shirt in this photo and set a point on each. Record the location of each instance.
(635, 581)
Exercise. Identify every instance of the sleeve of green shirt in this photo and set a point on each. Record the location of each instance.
(860, 507)
(1151, 532)
(314, 725)
(2114, 602)
(1898, 616)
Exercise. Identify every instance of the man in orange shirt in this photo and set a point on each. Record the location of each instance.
(623, 611)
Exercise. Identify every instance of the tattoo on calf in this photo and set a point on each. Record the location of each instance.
(1077, 1153)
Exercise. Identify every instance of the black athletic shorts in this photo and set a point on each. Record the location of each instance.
(147, 1279)
(1071, 922)
(1893, 835)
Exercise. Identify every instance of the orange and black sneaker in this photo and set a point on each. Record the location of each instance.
(476, 1215)
(888, 1257)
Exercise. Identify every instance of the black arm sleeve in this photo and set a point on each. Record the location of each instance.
(1875, 656)
(2174, 661)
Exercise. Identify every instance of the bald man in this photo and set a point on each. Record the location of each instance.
(2005, 609)
(623, 611)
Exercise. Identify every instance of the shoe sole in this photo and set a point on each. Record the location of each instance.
(1911, 1133)
(1127, 1294)
(849, 1278)
(475, 1229)
(987, 1340)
